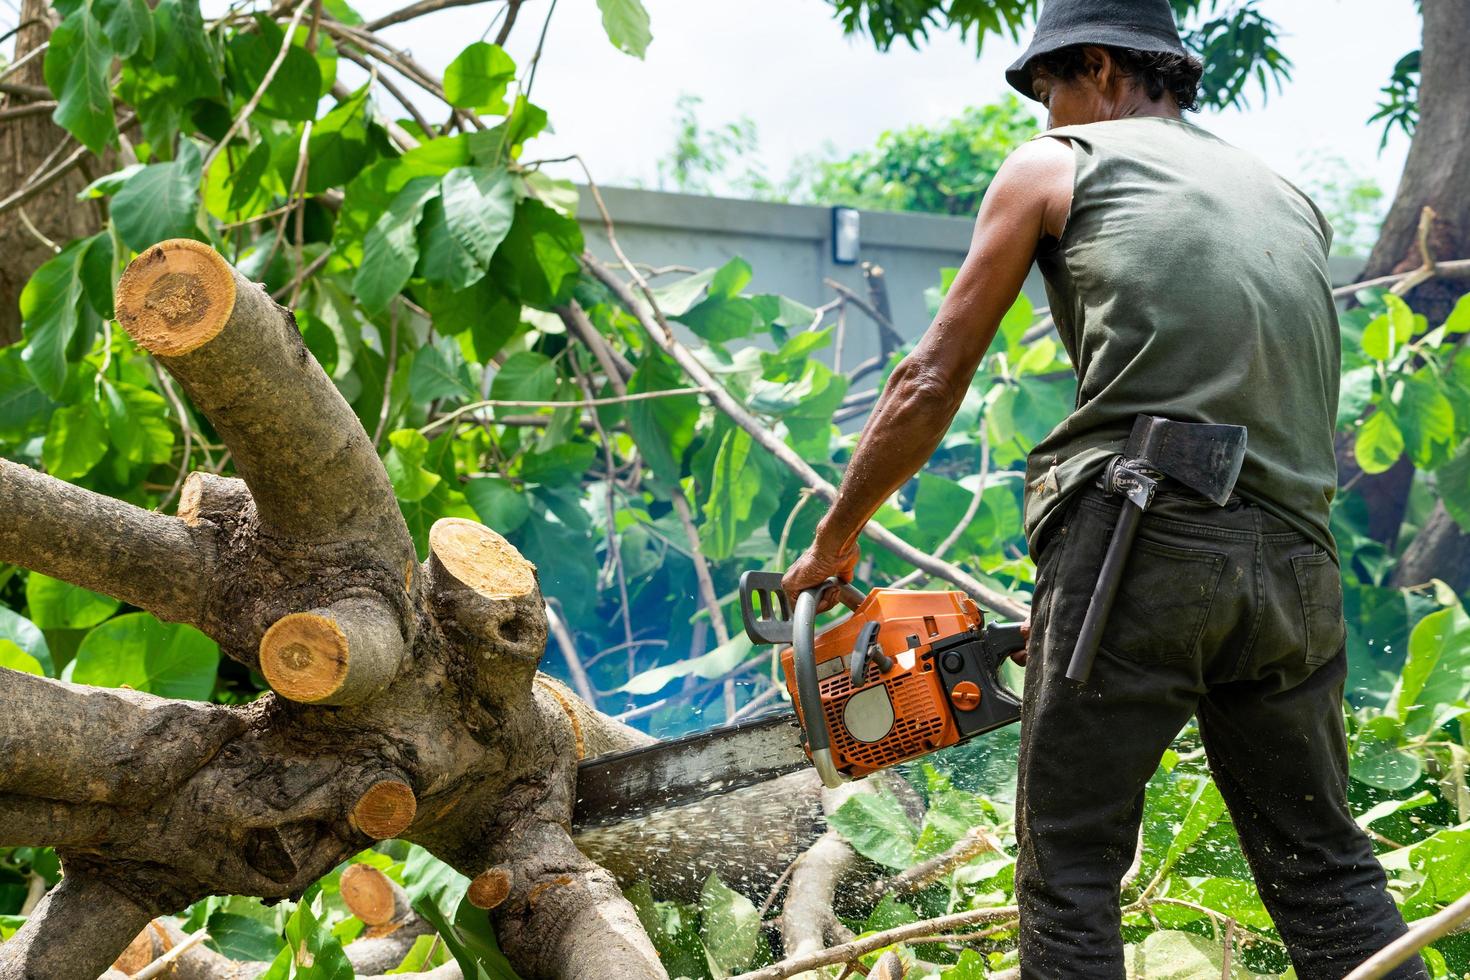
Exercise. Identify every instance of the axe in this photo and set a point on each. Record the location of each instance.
(1205, 458)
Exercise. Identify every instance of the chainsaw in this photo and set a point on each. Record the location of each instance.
(905, 674)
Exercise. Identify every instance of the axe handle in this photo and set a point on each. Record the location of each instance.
(1104, 592)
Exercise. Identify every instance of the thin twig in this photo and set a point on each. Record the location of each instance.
(1227, 949)
(913, 931)
(403, 100)
(184, 426)
(28, 109)
(302, 276)
(165, 962)
(979, 840)
(392, 365)
(614, 551)
(270, 76)
(707, 593)
(416, 10)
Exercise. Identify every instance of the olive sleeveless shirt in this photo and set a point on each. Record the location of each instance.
(1191, 281)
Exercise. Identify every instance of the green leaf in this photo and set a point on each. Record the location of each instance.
(1436, 672)
(1355, 394)
(56, 605)
(425, 954)
(471, 940)
(1204, 811)
(404, 463)
(1378, 760)
(538, 259)
(1379, 443)
(477, 77)
(161, 201)
(426, 878)
(663, 428)
(1172, 954)
(296, 88)
(729, 927)
(241, 937)
(719, 320)
(168, 659)
(75, 442)
(497, 503)
(743, 494)
(338, 145)
(877, 828)
(137, 423)
(1400, 318)
(626, 24)
(525, 376)
(674, 930)
(717, 663)
(479, 205)
(129, 26)
(679, 296)
(499, 143)
(1425, 417)
(24, 407)
(54, 308)
(1444, 862)
(315, 952)
(13, 657)
(391, 250)
(443, 258)
(1459, 319)
(1378, 339)
(26, 637)
(78, 62)
(435, 375)
(559, 464)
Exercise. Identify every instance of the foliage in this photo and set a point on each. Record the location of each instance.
(1353, 204)
(442, 264)
(1399, 105)
(702, 160)
(941, 169)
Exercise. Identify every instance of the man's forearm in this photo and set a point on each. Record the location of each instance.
(906, 425)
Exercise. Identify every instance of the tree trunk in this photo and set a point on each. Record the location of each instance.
(24, 143)
(405, 703)
(1436, 175)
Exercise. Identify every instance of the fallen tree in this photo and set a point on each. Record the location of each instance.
(406, 701)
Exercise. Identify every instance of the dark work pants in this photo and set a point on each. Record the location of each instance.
(1224, 613)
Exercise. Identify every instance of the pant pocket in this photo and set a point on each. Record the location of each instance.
(1319, 584)
(1163, 602)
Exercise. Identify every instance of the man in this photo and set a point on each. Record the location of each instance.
(1187, 281)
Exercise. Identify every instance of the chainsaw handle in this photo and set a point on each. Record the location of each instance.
(808, 692)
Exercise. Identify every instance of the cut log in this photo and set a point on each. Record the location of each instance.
(489, 888)
(385, 810)
(343, 654)
(373, 897)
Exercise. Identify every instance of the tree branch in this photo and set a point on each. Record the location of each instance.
(154, 562)
(78, 930)
(310, 467)
(1424, 932)
(663, 337)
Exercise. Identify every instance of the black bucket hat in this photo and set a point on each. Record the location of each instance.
(1144, 25)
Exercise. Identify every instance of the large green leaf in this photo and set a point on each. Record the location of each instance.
(391, 249)
(241, 937)
(1426, 418)
(744, 492)
(168, 659)
(26, 637)
(477, 77)
(137, 423)
(876, 827)
(1453, 478)
(1378, 760)
(439, 371)
(538, 259)
(297, 85)
(129, 26)
(57, 605)
(76, 441)
(405, 465)
(161, 201)
(12, 657)
(471, 940)
(498, 504)
(1379, 444)
(525, 376)
(24, 407)
(729, 927)
(78, 63)
(479, 204)
(626, 24)
(54, 306)
(443, 258)
(717, 663)
(316, 954)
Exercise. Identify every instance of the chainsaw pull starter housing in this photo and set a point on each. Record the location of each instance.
(906, 674)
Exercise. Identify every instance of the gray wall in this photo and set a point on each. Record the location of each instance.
(789, 248)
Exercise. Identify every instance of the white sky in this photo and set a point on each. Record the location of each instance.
(787, 65)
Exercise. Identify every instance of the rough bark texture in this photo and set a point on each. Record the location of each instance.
(454, 742)
(24, 144)
(1436, 174)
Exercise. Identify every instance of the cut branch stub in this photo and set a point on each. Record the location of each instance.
(208, 497)
(312, 470)
(490, 888)
(385, 810)
(482, 585)
(372, 896)
(342, 654)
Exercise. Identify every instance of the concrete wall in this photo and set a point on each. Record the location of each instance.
(789, 247)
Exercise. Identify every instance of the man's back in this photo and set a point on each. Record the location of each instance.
(1191, 282)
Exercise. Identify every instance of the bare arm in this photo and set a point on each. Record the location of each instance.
(1028, 200)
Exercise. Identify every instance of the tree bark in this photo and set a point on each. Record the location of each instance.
(406, 700)
(1436, 175)
(24, 143)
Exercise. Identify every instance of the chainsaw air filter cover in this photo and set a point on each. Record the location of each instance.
(905, 674)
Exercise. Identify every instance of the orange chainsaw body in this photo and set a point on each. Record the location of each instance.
(923, 712)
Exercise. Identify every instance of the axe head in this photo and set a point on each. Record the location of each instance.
(1202, 456)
